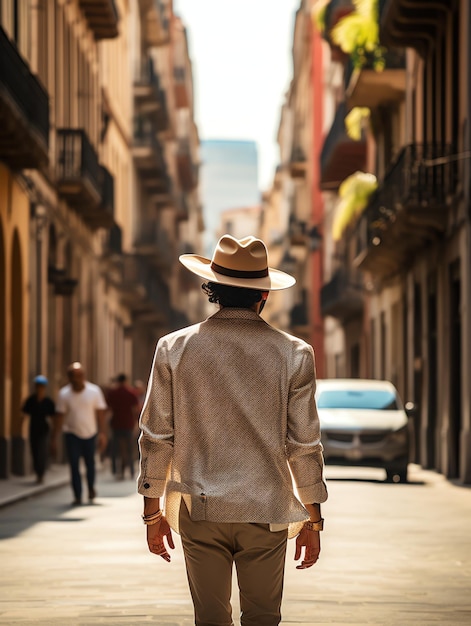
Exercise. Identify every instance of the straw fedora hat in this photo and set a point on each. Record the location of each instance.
(239, 263)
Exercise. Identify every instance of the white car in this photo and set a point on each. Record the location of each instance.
(363, 422)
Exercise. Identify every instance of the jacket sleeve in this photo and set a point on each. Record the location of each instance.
(303, 441)
(157, 430)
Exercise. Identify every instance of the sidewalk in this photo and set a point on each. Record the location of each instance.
(384, 561)
(17, 488)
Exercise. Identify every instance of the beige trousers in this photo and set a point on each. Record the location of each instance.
(210, 551)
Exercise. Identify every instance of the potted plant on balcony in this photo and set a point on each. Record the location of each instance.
(357, 34)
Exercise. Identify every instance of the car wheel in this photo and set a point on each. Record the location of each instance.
(396, 475)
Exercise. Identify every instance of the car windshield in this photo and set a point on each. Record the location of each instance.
(375, 399)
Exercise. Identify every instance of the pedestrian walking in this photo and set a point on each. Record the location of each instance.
(40, 408)
(123, 404)
(229, 411)
(81, 414)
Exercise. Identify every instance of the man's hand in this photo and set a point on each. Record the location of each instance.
(311, 542)
(155, 538)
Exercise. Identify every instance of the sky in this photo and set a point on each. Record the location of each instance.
(241, 55)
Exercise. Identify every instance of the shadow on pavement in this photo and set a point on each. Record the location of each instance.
(55, 506)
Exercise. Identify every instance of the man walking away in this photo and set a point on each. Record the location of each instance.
(39, 407)
(229, 411)
(123, 404)
(81, 414)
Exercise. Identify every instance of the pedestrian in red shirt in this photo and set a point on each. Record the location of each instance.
(123, 404)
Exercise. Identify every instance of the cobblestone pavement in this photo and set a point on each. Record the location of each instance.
(392, 555)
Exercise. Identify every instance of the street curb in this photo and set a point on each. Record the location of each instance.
(26, 493)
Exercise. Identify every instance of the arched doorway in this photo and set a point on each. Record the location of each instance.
(16, 316)
(4, 448)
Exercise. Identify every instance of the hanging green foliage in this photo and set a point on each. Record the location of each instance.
(357, 34)
(356, 121)
(355, 191)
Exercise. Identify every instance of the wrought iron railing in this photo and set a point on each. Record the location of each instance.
(342, 295)
(77, 158)
(23, 87)
(421, 177)
(146, 74)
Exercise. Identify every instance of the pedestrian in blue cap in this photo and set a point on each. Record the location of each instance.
(40, 408)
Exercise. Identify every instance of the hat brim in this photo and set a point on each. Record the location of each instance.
(201, 266)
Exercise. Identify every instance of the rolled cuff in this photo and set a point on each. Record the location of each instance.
(313, 494)
(151, 487)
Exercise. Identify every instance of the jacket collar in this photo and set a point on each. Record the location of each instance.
(230, 313)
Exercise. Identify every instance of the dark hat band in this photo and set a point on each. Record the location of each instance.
(239, 273)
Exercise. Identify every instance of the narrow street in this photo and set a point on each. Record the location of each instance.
(392, 554)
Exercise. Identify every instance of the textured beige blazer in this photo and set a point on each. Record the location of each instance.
(229, 411)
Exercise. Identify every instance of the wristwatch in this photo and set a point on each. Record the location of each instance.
(315, 525)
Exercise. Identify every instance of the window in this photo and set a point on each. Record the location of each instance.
(369, 399)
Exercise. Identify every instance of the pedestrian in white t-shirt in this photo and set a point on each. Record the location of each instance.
(81, 415)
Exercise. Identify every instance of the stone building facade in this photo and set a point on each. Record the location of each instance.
(98, 193)
(399, 295)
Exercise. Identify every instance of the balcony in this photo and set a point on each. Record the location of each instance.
(154, 244)
(342, 297)
(187, 170)
(156, 31)
(149, 96)
(149, 159)
(368, 88)
(341, 156)
(182, 90)
(79, 175)
(102, 17)
(103, 215)
(414, 24)
(24, 111)
(143, 290)
(298, 163)
(408, 211)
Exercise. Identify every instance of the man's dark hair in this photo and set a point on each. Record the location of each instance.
(235, 297)
(121, 378)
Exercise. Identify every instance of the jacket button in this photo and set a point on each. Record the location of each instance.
(146, 485)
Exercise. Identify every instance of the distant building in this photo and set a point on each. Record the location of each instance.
(240, 222)
(229, 179)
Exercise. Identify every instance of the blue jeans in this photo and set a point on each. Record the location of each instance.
(76, 448)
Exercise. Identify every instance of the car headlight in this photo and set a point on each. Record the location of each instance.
(400, 436)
